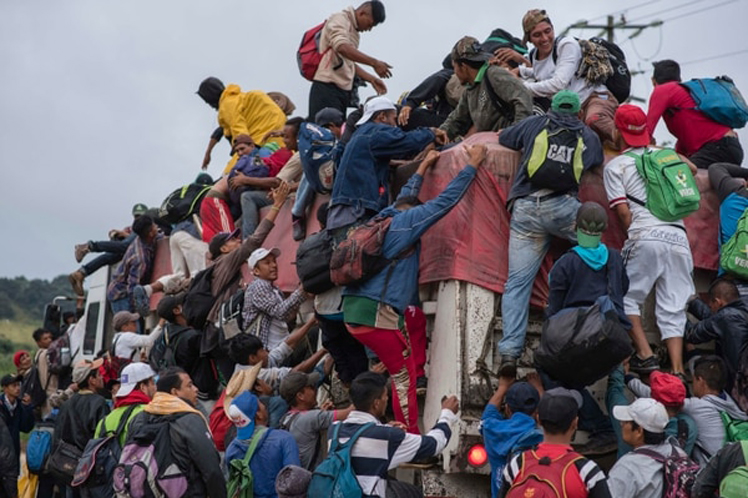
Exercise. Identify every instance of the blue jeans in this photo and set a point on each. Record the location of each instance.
(531, 228)
(123, 304)
(252, 201)
(304, 198)
(113, 251)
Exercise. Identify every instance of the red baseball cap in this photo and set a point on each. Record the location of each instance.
(667, 389)
(632, 123)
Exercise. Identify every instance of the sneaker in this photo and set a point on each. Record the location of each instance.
(76, 282)
(141, 301)
(508, 367)
(643, 366)
(299, 229)
(422, 384)
(80, 251)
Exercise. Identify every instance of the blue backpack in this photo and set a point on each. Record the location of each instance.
(39, 446)
(719, 99)
(317, 154)
(334, 477)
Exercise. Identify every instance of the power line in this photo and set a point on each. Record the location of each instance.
(625, 10)
(669, 9)
(714, 57)
(699, 10)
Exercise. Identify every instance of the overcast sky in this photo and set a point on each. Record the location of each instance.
(97, 98)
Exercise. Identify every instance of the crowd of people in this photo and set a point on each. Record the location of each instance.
(229, 391)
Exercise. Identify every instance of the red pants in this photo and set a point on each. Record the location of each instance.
(216, 217)
(393, 349)
(415, 324)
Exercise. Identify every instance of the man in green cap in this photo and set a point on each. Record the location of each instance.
(493, 99)
(556, 149)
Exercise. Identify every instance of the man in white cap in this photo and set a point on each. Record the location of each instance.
(266, 310)
(362, 186)
(639, 473)
(137, 387)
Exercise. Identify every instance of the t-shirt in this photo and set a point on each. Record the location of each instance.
(307, 428)
(622, 180)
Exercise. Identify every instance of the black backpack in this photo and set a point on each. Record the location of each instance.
(183, 203)
(32, 385)
(556, 159)
(313, 263)
(500, 38)
(199, 299)
(164, 350)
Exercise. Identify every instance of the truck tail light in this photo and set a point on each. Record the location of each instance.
(477, 456)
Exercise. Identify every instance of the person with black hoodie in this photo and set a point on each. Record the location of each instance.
(8, 464)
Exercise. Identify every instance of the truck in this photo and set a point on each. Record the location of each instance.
(463, 272)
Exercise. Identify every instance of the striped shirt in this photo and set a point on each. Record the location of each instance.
(382, 447)
(586, 481)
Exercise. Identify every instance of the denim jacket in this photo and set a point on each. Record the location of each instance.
(405, 231)
(363, 176)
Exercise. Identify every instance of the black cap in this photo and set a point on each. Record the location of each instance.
(329, 115)
(165, 308)
(10, 379)
(218, 240)
(559, 406)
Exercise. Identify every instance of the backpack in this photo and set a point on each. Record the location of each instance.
(59, 357)
(93, 475)
(241, 481)
(308, 56)
(735, 429)
(672, 193)
(183, 203)
(618, 83)
(313, 262)
(39, 446)
(679, 472)
(733, 258)
(164, 350)
(500, 38)
(317, 154)
(579, 346)
(32, 385)
(334, 477)
(542, 477)
(735, 483)
(113, 364)
(359, 257)
(556, 158)
(230, 319)
(146, 466)
(719, 99)
(199, 299)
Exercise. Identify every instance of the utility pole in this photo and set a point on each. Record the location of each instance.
(609, 28)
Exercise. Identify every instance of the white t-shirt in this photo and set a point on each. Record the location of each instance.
(621, 179)
(128, 342)
(546, 78)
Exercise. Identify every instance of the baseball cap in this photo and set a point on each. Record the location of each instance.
(10, 379)
(83, 368)
(632, 124)
(469, 48)
(219, 239)
(566, 102)
(522, 397)
(295, 382)
(139, 209)
(122, 318)
(131, 375)
(667, 389)
(646, 412)
(592, 220)
(559, 406)
(329, 115)
(166, 305)
(260, 254)
(531, 19)
(375, 105)
(242, 413)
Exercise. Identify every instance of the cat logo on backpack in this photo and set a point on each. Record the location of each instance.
(556, 159)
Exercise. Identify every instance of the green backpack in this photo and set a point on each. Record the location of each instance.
(241, 481)
(735, 429)
(735, 483)
(734, 257)
(672, 193)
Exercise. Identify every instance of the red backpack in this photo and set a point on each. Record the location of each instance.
(219, 423)
(359, 257)
(308, 56)
(542, 477)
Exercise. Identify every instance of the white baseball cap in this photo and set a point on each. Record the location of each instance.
(375, 105)
(131, 375)
(646, 412)
(260, 254)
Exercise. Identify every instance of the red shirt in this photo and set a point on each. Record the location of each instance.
(691, 127)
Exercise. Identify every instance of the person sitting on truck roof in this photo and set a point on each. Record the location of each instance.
(540, 212)
(442, 90)
(513, 429)
(553, 66)
(554, 460)
(374, 310)
(699, 138)
(381, 447)
(135, 268)
(361, 187)
(113, 250)
(493, 99)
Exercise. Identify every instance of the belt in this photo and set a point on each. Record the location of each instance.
(542, 198)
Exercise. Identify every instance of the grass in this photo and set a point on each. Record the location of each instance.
(17, 332)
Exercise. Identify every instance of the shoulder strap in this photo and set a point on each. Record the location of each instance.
(354, 437)
(506, 110)
(123, 421)
(259, 435)
(650, 453)
(114, 344)
(744, 447)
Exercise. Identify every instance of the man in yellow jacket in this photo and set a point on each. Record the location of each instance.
(251, 113)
